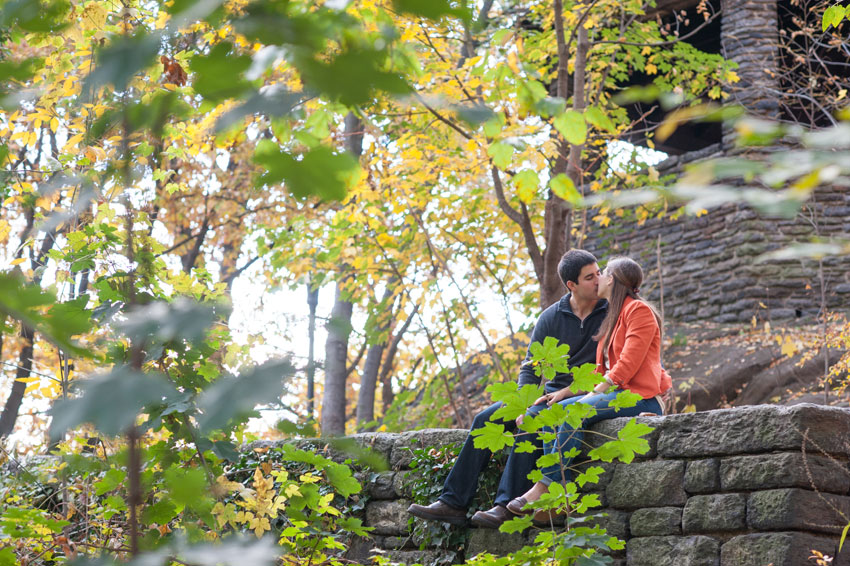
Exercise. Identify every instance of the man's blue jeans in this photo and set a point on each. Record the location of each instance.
(569, 438)
(462, 481)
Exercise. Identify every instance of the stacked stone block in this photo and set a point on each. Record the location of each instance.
(750, 486)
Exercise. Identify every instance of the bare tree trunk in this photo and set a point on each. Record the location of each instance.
(386, 376)
(369, 377)
(557, 215)
(16, 397)
(312, 302)
(336, 354)
(339, 326)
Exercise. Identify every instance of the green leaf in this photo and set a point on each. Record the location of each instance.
(111, 480)
(273, 102)
(629, 442)
(550, 358)
(226, 450)
(525, 447)
(7, 557)
(832, 16)
(596, 116)
(588, 501)
(34, 16)
(501, 154)
(564, 188)
(585, 377)
(593, 560)
(25, 302)
(233, 397)
(110, 402)
(361, 454)
(319, 171)
(18, 71)
(518, 403)
(187, 487)
(119, 61)
(577, 412)
(625, 399)
(492, 436)
(162, 322)
(552, 417)
(219, 75)
(354, 526)
(21, 523)
(473, 114)
(432, 9)
(590, 475)
(843, 536)
(341, 479)
(502, 391)
(161, 512)
(572, 127)
(516, 525)
(352, 77)
(527, 182)
(549, 460)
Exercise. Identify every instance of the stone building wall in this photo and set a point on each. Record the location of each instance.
(708, 263)
(709, 267)
(739, 487)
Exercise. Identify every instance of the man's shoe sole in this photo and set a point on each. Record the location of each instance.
(485, 523)
(459, 521)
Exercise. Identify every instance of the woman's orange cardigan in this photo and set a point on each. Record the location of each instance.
(634, 352)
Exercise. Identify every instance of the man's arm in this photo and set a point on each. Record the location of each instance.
(541, 330)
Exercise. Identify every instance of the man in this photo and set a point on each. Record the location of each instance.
(573, 320)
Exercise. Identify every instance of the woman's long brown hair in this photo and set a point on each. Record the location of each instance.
(628, 277)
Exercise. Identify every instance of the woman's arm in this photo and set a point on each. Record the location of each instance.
(641, 328)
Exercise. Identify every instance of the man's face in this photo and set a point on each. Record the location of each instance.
(588, 283)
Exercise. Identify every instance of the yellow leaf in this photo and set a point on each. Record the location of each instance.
(651, 69)
(789, 348)
(18, 261)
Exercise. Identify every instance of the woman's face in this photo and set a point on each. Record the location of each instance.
(606, 283)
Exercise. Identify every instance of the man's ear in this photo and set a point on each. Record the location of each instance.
(570, 286)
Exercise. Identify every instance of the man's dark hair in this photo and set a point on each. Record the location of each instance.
(571, 264)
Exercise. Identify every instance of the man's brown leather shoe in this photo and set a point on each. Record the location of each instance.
(492, 518)
(439, 511)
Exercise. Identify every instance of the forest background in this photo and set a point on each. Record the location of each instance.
(426, 160)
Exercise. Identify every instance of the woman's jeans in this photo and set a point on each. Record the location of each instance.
(569, 438)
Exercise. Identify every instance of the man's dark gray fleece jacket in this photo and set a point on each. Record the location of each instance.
(559, 321)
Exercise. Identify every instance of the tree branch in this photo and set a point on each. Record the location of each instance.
(522, 219)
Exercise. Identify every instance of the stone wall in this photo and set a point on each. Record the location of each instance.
(750, 486)
(708, 263)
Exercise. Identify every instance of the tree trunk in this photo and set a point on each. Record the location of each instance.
(336, 355)
(558, 213)
(369, 377)
(16, 397)
(312, 302)
(368, 384)
(339, 326)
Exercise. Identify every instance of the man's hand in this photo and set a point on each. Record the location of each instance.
(555, 397)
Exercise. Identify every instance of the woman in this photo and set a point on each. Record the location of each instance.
(628, 354)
